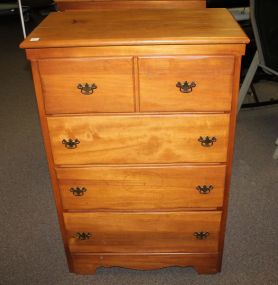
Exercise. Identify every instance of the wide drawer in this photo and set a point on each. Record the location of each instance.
(143, 232)
(212, 77)
(141, 188)
(109, 89)
(139, 139)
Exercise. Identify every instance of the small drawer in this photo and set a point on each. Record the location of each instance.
(87, 85)
(139, 139)
(141, 188)
(186, 83)
(143, 232)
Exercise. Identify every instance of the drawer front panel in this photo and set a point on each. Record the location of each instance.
(139, 139)
(141, 188)
(65, 91)
(211, 75)
(143, 232)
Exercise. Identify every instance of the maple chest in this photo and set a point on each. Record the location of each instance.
(138, 111)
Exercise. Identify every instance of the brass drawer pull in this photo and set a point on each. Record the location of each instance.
(186, 87)
(82, 235)
(78, 191)
(207, 141)
(201, 235)
(204, 189)
(71, 144)
(87, 89)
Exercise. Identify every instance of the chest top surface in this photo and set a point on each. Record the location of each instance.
(136, 27)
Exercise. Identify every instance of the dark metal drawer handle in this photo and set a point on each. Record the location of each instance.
(207, 141)
(78, 191)
(71, 144)
(186, 87)
(82, 235)
(201, 235)
(87, 89)
(204, 189)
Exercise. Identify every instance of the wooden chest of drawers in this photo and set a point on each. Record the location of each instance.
(137, 110)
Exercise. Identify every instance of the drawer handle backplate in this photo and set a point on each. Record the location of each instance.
(186, 87)
(87, 89)
(71, 144)
(82, 235)
(201, 235)
(207, 141)
(78, 191)
(204, 189)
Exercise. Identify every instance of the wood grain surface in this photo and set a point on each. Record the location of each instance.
(141, 188)
(139, 139)
(136, 27)
(60, 78)
(147, 50)
(212, 76)
(144, 232)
